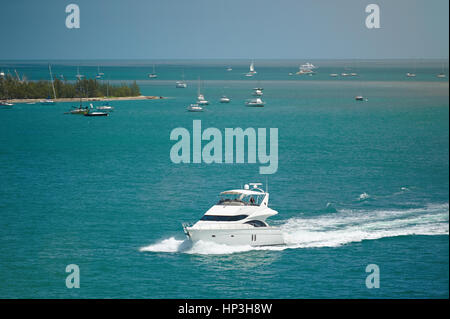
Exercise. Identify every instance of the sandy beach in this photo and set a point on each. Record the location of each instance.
(90, 99)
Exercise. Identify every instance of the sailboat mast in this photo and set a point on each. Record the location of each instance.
(51, 78)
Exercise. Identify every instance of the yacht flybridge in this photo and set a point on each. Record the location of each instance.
(239, 218)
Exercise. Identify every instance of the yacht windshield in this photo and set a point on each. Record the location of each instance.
(240, 200)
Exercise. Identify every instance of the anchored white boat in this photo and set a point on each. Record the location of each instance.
(78, 75)
(306, 68)
(153, 75)
(239, 218)
(200, 97)
(6, 105)
(255, 102)
(48, 100)
(195, 108)
(181, 84)
(106, 106)
(258, 91)
(94, 113)
(225, 99)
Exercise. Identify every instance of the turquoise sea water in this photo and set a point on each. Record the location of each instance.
(358, 183)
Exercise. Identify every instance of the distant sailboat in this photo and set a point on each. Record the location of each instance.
(229, 69)
(252, 71)
(106, 106)
(181, 84)
(80, 110)
(79, 76)
(200, 98)
(442, 74)
(99, 74)
(153, 75)
(48, 100)
(412, 74)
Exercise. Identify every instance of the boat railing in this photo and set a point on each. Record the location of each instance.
(185, 226)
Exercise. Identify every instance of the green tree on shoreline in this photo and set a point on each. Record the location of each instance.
(12, 88)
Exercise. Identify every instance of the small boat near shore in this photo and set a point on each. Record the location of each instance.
(94, 113)
(238, 218)
(47, 101)
(6, 105)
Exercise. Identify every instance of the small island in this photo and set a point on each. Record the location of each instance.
(20, 91)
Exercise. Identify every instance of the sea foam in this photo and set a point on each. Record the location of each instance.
(331, 230)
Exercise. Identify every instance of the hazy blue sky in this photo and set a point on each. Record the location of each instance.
(190, 29)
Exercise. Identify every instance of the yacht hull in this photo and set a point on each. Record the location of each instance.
(258, 236)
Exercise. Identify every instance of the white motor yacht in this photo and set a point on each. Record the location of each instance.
(410, 75)
(255, 102)
(258, 91)
(239, 218)
(181, 85)
(306, 68)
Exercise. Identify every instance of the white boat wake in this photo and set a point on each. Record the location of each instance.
(332, 230)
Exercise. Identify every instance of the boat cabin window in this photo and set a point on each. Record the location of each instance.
(219, 218)
(240, 200)
(256, 223)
